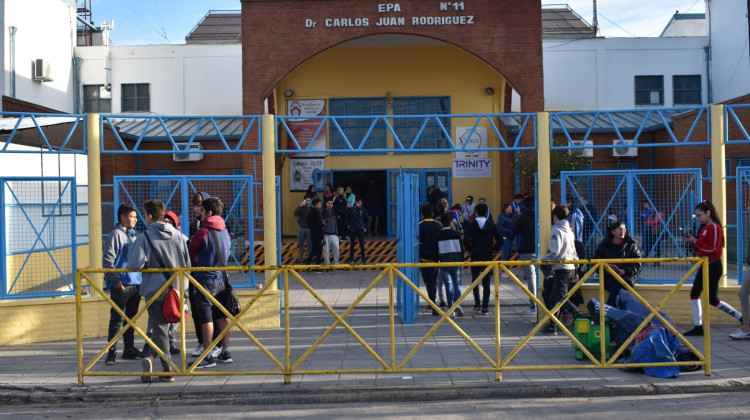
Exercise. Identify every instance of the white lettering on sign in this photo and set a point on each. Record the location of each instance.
(457, 5)
(347, 22)
(442, 20)
(391, 21)
(389, 7)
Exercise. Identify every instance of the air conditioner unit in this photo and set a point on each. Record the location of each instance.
(192, 155)
(589, 153)
(623, 151)
(41, 70)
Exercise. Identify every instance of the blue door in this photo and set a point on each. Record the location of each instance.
(407, 300)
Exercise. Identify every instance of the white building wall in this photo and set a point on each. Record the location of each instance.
(46, 29)
(599, 73)
(730, 61)
(183, 79)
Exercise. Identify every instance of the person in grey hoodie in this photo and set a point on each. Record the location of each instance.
(561, 248)
(161, 246)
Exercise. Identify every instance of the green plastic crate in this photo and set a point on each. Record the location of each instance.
(587, 331)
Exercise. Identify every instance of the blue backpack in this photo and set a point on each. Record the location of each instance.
(131, 278)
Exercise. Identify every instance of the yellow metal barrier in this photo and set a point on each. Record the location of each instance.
(495, 363)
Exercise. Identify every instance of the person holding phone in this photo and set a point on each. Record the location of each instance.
(618, 244)
(709, 243)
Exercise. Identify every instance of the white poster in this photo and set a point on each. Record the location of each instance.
(302, 172)
(472, 168)
(478, 140)
(304, 129)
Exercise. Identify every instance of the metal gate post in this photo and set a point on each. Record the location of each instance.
(93, 152)
(718, 177)
(268, 147)
(544, 180)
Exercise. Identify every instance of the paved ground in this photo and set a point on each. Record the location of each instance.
(48, 371)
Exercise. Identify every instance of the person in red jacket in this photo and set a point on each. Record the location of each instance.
(709, 243)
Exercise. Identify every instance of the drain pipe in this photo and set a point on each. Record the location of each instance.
(12, 30)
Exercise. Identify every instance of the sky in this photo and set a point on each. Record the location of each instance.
(139, 22)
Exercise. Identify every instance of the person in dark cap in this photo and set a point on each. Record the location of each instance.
(467, 210)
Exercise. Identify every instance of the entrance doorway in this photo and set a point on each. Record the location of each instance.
(372, 186)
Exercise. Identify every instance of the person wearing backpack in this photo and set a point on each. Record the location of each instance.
(160, 246)
(481, 238)
(123, 287)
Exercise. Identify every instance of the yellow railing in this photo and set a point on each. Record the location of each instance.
(495, 363)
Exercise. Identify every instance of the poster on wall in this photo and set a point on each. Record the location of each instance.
(304, 129)
(472, 168)
(478, 140)
(302, 172)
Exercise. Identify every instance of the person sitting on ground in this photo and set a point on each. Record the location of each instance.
(618, 244)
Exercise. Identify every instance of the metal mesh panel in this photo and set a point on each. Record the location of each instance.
(656, 206)
(743, 221)
(39, 238)
(177, 193)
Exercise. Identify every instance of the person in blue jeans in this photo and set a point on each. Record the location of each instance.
(505, 226)
(450, 249)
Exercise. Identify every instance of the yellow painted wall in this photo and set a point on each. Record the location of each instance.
(41, 320)
(40, 269)
(423, 71)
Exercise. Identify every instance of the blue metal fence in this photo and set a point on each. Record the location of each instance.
(38, 238)
(176, 192)
(655, 205)
(46, 133)
(408, 245)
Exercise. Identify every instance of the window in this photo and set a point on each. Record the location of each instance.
(649, 90)
(627, 165)
(687, 90)
(727, 168)
(96, 99)
(355, 129)
(135, 97)
(432, 136)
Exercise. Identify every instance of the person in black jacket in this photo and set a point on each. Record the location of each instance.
(315, 222)
(525, 226)
(618, 244)
(428, 232)
(356, 223)
(481, 238)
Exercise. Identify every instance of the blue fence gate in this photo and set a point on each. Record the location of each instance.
(743, 220)
(407, 300)
(39, 222)
(656, 206)
(235, 191)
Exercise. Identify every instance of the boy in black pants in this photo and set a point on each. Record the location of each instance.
(481, 238)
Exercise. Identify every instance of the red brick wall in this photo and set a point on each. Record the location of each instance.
(506, 34)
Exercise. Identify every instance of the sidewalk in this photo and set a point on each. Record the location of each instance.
(47, 372)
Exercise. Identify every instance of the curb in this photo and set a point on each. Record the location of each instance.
(41, 395)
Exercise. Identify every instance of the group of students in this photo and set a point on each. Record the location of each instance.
(320, 230)
(441, 241)
(163, 245)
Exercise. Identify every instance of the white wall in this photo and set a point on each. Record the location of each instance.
(730, 62)
(183, 79)
(685, 27)
(46, 29)
(599, 73)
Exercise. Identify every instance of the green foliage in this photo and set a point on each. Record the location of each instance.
(560, 160)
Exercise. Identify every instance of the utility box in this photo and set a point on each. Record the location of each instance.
(588, 332)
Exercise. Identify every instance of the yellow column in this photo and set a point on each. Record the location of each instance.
(544, 175)
(718, 176)
(268, 146)
(93, 152)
